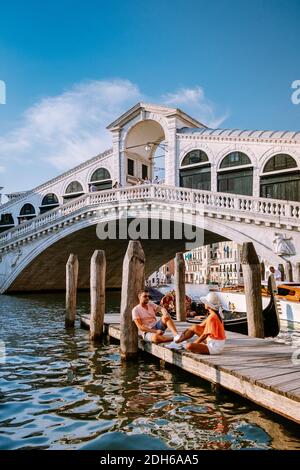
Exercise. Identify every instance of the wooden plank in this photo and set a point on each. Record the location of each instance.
(257, 369)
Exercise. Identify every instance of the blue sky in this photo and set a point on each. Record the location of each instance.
(70, 67)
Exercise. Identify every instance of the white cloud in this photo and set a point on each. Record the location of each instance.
(62, 131)
(194, 101)
(67, 129)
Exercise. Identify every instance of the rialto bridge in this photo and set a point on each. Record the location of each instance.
(217, 185)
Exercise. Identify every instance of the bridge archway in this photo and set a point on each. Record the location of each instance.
(42, 266)
(145, 151)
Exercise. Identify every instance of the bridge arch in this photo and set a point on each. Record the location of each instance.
(144, 149)
(42, 266)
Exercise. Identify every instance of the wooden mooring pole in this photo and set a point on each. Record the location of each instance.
(297, 272)
(71, 290)
(262, 270)
(132, 284)
(288, 271)
(97, 292)
(281, 269)
(252, 282)
(180, 287)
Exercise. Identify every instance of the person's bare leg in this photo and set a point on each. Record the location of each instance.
(190, 332)
(199, 348)
(187, 334)
(161, 339)
(167, 321)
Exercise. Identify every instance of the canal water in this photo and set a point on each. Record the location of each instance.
(58, 391)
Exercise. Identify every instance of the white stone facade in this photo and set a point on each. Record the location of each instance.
(219, 263)
(137, 136)
(181, 134)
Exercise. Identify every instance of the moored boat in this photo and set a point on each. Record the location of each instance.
(288, 298)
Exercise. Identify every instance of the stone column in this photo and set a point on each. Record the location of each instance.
(171, 164)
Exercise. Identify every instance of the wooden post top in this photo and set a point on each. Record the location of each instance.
(135, 249)
(249, 255)
(72, 259)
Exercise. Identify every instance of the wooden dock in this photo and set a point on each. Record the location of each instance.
(258, 369)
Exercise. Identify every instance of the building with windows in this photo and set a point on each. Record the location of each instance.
(191, 155)
(240, 185)
(164, 275)
(219, 263)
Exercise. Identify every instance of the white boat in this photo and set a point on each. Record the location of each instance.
(289, 311)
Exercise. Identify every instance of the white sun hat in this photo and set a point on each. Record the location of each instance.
(212, 300)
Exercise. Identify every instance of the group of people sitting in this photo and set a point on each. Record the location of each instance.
(210, 333)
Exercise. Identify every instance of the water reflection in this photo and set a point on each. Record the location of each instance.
(59, 391)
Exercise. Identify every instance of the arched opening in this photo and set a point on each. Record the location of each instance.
(6, 222)
(26, 213)
(235, 174)
(74, 189)
(145, 152)
(50, 201)
(100, 180)
(195, 171)
(281, 178)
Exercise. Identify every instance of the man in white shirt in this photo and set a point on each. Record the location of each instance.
(276, 273)
(144, 316)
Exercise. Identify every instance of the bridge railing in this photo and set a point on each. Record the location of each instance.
(279, 210)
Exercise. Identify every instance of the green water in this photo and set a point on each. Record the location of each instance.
(58, 391)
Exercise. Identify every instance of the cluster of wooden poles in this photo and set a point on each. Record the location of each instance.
(133, 281)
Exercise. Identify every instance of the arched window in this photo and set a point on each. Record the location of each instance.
(281, 178)
(6, 222)
(195, 171)
(235, 159)
(26, 213)
(100, 180)
(50, 201)
(280, 162)
(194, 157)
(74, 189)
(232, 177)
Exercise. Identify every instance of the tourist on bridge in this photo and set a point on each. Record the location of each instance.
(276, 273)
(152, 329)
(211, 332)
(93, 188)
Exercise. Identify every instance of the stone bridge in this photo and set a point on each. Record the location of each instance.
(33, 255)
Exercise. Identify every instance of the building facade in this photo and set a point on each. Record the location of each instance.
(219, 263)
(255, 163)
